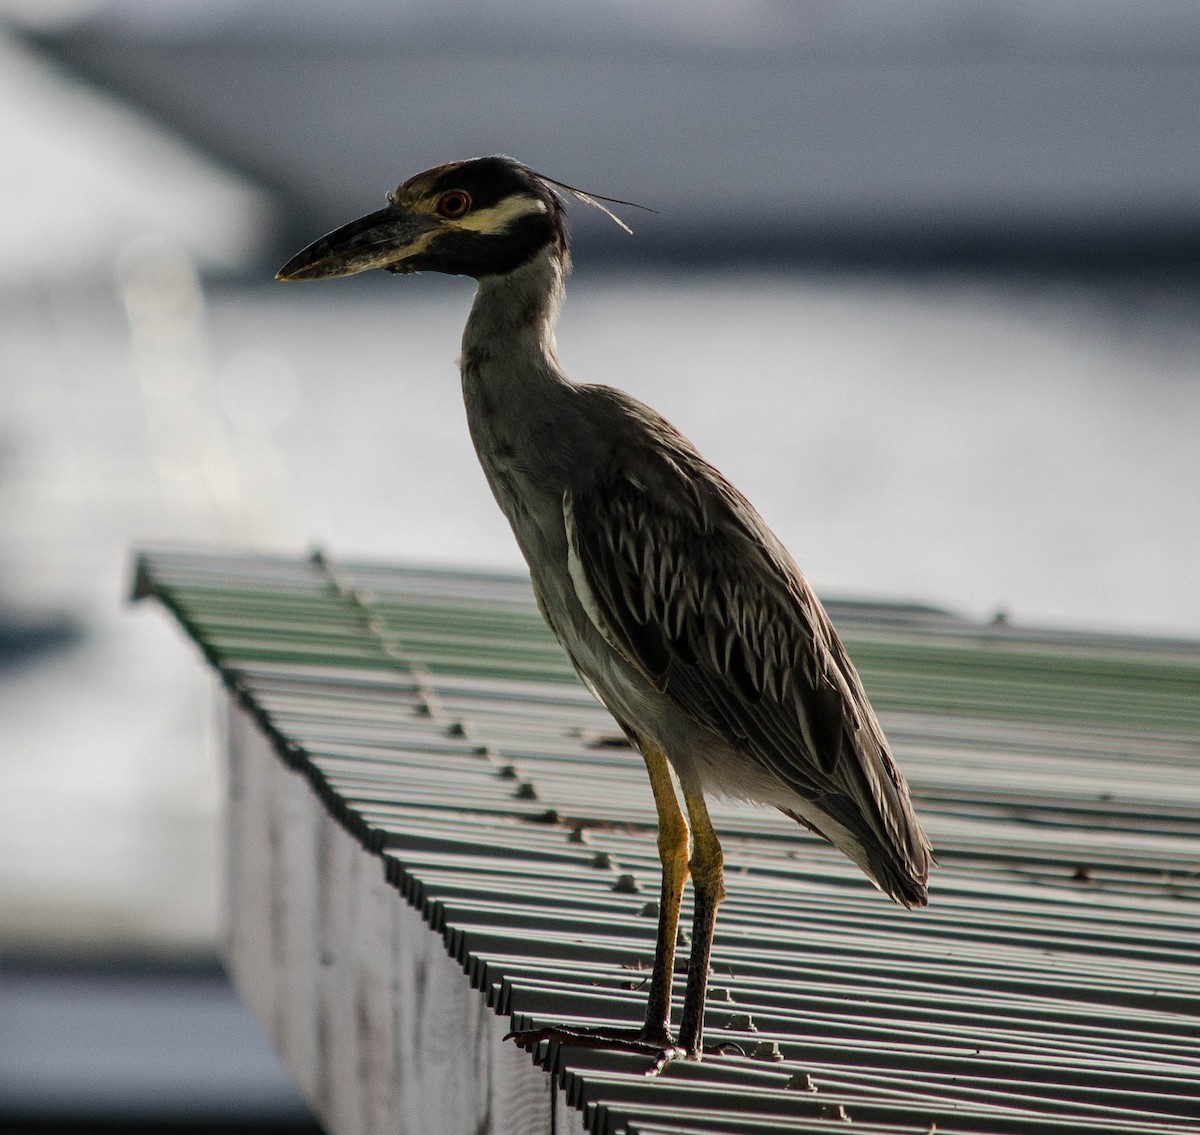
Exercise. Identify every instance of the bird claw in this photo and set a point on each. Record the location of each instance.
(627, 1040)
(664, 1057)
(677, 1052)
(661, 1048)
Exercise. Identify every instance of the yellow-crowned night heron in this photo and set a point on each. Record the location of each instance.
(678, 607)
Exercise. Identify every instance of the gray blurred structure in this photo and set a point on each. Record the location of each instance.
(90, 183)
(1037, 132)
(436, 832)
(136, 1044)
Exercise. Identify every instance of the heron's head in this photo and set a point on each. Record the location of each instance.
(482, 217)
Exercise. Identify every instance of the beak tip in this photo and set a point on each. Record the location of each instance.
(291, 271)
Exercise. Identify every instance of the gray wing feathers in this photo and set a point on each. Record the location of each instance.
(688, 584)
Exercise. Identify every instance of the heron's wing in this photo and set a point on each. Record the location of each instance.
(684, 579)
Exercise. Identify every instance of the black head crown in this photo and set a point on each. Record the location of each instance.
(481, 217)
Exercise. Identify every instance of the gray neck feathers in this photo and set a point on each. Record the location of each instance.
(512, 320)
(518, 400)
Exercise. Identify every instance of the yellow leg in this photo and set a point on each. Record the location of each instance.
(673, 854)
(708, 881)
(654, 1037)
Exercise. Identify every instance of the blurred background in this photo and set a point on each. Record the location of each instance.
(924, 282)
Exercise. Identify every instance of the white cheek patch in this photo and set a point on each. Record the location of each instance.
(497, 218)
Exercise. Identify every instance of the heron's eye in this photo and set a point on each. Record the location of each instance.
(453, 204)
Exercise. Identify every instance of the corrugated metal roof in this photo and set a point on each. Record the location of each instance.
(1053, 985)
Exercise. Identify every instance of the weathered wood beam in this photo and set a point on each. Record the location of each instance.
(377, 1024)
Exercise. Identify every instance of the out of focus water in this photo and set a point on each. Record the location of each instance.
(974, 441)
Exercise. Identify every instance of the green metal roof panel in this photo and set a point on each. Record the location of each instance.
(1052, 985)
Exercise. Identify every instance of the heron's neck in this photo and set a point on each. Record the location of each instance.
(509, 337)
(517, 398)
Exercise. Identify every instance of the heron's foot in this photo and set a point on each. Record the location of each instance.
(678, 1052)
(622, 1040)
(659, 1046)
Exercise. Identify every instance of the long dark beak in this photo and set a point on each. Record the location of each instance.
(381, 240)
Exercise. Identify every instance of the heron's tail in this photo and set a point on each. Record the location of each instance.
(898, 867)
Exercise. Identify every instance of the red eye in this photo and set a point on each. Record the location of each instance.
(453, 204)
